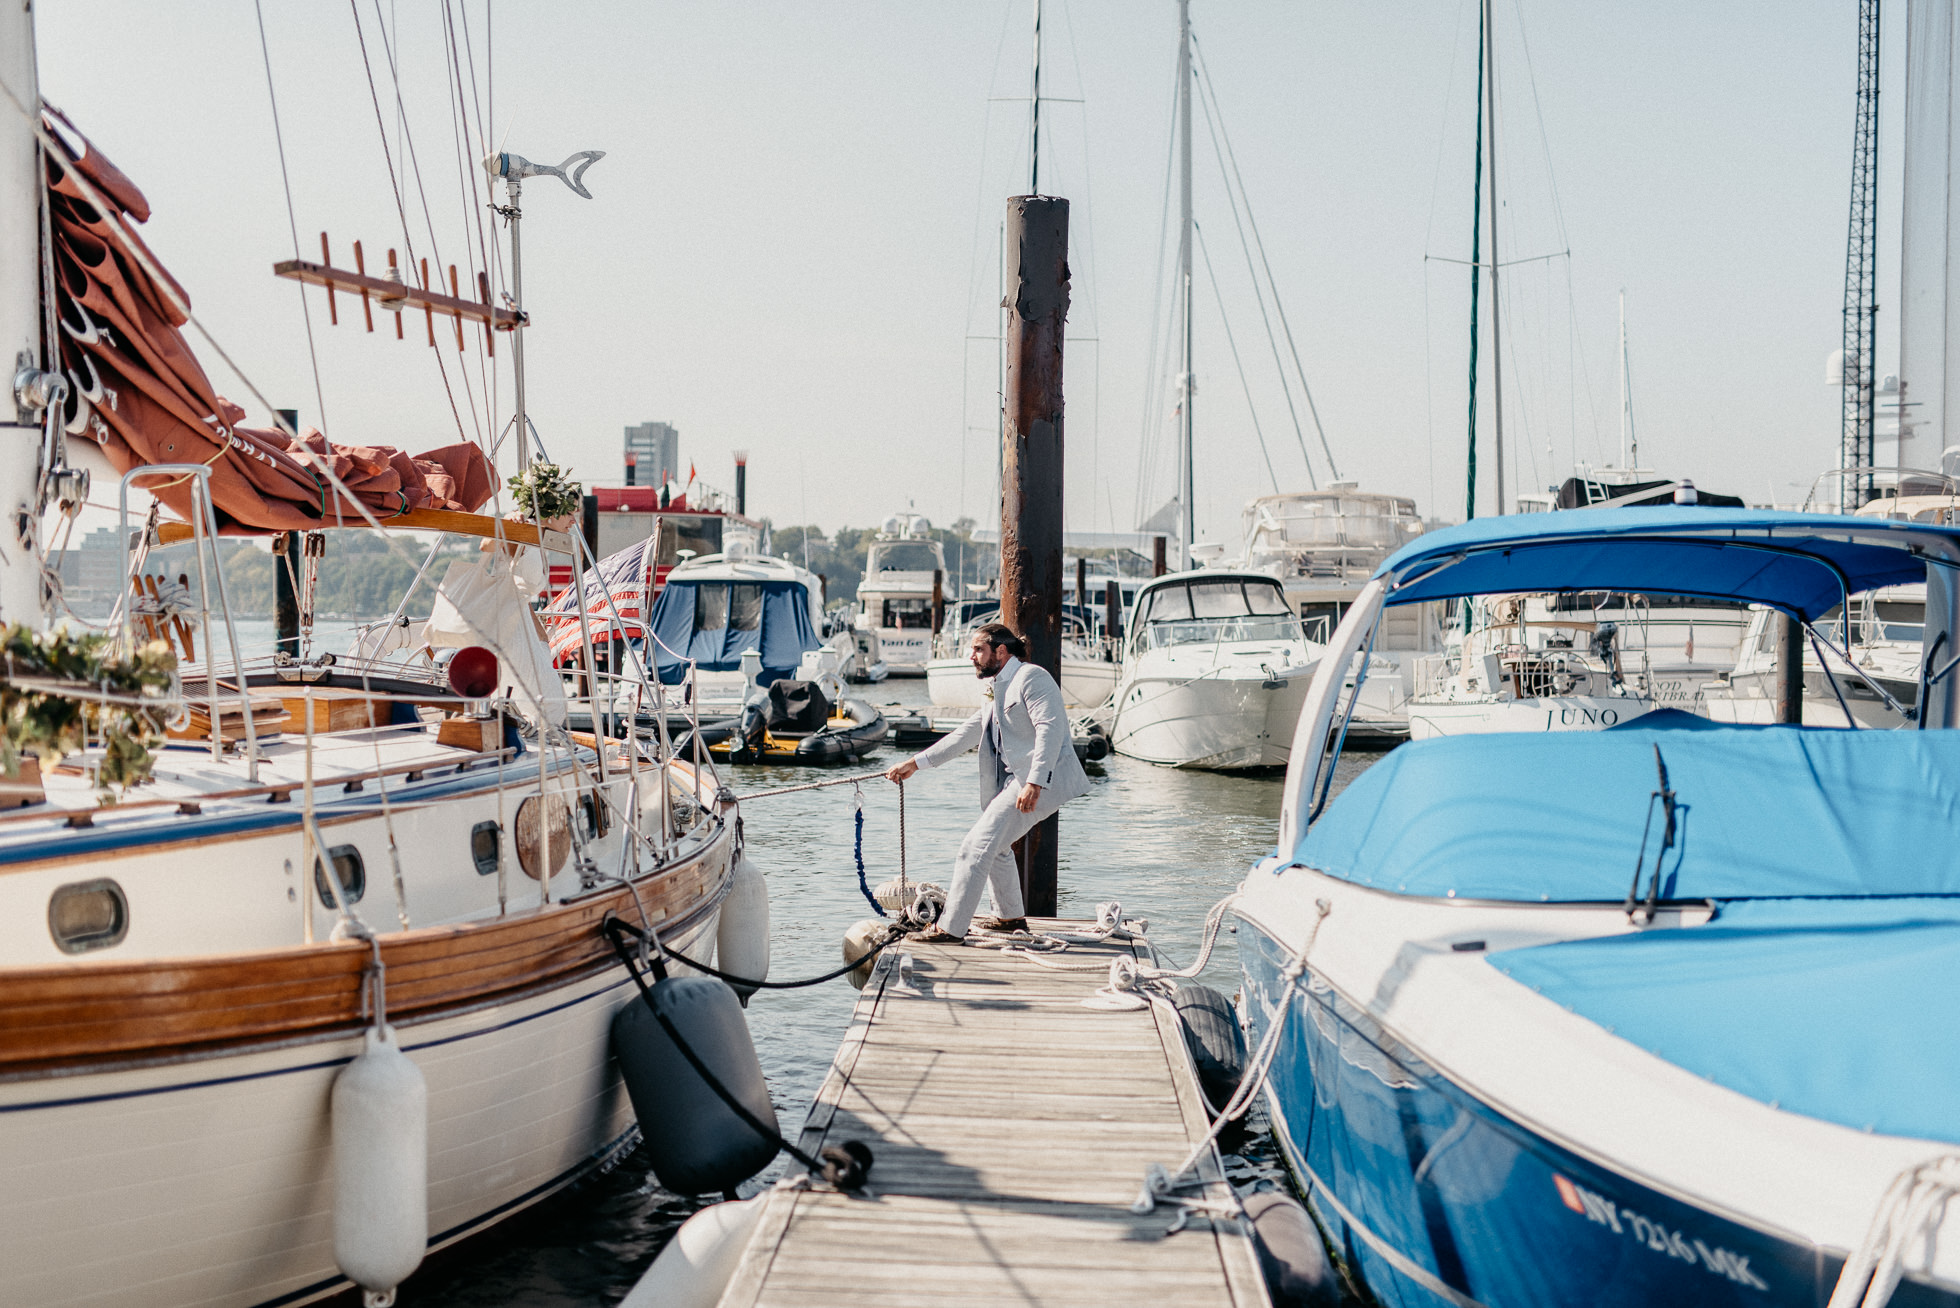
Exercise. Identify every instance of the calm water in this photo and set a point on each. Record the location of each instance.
(1167, 844)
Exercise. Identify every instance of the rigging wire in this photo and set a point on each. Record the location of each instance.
(478, 255)
(1153, 375)
(1214, 115)
(1250, 407)
(975, 278)
(292, 222)
(428, 213)
(394, 182)
(1089, 271)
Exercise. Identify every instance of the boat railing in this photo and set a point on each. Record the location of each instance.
(204, 535)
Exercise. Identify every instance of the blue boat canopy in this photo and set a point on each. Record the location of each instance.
(1805, 1005)
(1800, 562)
(1776, 811)
(714, 622)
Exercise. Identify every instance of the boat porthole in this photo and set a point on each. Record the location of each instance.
(538, 834)
(87, 915)
(486, 847)
(352, 871)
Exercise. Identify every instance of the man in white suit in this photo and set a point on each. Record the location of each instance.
(1028, 770)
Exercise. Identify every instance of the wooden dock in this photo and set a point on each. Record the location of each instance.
(1011, 1128)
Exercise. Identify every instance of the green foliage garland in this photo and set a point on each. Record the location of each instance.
(543, 492)
(42, 721)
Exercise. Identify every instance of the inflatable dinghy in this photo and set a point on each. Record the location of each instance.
(798, 724)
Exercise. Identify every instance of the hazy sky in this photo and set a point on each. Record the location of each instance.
(794, 235)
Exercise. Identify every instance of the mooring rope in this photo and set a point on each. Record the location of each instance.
(857, 779)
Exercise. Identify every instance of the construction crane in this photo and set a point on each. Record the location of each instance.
(1857, 449)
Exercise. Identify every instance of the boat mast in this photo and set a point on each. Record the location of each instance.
(1629, 441)
(1034, 126)
(1496, 305)
(35, 395)
(1476, 285)
(1187, 383)
(514, 211)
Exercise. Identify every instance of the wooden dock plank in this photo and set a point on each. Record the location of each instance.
(1011, 1127)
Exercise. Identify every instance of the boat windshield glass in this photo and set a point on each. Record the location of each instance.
(1204, 612)
(905, 556)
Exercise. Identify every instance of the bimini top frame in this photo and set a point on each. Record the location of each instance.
(1802, 564)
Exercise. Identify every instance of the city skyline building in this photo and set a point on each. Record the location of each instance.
(652, 454)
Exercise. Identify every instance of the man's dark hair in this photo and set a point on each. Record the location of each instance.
(999, 635)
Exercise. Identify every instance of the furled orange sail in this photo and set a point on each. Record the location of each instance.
(139, 394)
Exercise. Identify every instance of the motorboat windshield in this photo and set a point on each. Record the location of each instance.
(1209, 612)
(904, 556)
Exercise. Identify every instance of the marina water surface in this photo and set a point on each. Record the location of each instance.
(1166, 844)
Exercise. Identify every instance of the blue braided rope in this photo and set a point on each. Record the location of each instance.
(864, 886)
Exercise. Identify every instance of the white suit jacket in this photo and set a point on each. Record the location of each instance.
(1028, 718)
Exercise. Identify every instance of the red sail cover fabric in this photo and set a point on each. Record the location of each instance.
(148, 401)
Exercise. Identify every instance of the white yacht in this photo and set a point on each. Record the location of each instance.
(903, 570)
(728, 624)
(1323, 546)
(1088, 662)
(1527, 664)
(1215, 669)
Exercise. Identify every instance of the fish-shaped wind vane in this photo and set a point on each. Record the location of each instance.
(514, 167)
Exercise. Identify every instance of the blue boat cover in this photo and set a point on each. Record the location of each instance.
(1836, 1010)
(731, 623)
(1773, 811)
(1796, 561)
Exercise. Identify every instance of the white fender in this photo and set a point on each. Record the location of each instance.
(698, 1263)
(381, 1168)
(861, 936)
(742, 939)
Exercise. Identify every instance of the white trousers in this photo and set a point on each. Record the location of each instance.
(986, 857)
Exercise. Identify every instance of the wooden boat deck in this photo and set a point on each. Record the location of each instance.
(1011, 1128)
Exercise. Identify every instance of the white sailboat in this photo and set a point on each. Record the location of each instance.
(328, 864)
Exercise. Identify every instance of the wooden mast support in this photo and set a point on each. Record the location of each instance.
(1031, 471)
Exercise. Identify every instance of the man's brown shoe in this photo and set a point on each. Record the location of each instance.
(933, 935)
(1002, 923)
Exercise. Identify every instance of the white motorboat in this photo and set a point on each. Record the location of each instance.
(868, 666)
(1650, 1000)
(1088, 664)
(1323, 545)
(1527, 664)
(1214, 672)
(904, 580)
(1867, 676)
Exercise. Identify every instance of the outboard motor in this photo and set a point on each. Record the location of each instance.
(1602, 647)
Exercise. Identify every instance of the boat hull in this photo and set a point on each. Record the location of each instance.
(1437, 1198)
(166, 1125)
(1086, 683)
(1218, 723)
(1430, 719)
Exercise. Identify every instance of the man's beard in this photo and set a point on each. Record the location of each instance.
(983, 672)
